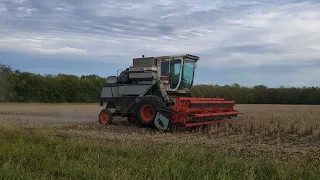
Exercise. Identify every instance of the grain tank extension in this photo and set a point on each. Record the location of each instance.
(155, 92)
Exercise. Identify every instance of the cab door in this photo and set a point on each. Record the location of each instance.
(175, 73)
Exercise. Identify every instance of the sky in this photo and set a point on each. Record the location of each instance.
(249, 42)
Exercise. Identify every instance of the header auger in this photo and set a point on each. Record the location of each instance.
(155, 92)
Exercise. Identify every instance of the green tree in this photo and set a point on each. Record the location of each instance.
(5, 72)
(16, 86)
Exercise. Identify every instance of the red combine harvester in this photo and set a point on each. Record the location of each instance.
(155, 92)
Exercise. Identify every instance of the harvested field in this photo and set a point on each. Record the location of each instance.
(284, 131)
(288, 123)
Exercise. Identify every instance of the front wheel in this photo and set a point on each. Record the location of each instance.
(146, 111)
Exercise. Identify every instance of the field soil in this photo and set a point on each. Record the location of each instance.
(282, 130)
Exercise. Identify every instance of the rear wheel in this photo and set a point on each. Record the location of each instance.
(105, 116)
(146, 112)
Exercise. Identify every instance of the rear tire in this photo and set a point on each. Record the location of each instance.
(105, 116)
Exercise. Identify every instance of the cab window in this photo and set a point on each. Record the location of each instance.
(165, 68)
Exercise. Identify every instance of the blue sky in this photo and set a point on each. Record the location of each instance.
(274, 42)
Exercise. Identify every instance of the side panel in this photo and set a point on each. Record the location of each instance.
(115, 92)
(109, 92)
(133, 89)
(144, 62)
(142, 75)
(106, 92)
(144, 82)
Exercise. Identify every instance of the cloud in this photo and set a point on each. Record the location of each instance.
(224, 33)
(66, 50)
(3, 8)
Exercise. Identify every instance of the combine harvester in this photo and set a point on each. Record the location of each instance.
(155, 92)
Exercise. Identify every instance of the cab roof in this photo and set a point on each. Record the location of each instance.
(189, 56)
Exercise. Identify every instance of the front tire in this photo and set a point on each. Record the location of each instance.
(146, 112)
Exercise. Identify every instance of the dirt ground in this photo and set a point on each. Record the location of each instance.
(273, 129)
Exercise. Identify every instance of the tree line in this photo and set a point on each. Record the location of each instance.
(18, 86)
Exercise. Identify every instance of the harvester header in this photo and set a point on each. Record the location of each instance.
(155, 92)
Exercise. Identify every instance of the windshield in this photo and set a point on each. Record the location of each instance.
(187, 76)
(175, 66)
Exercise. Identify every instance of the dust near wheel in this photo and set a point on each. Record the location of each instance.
(105, 116)
(146, 112)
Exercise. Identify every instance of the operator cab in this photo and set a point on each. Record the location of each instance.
(177, 72)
